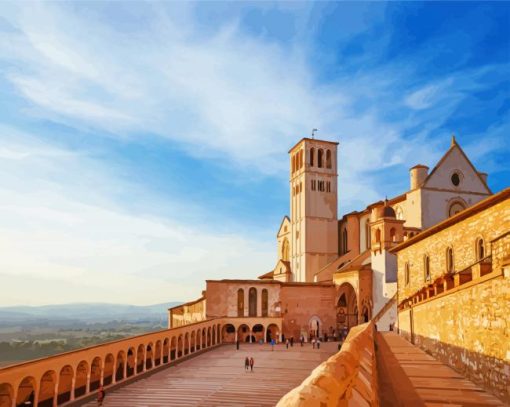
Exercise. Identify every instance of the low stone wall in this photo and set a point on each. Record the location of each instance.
(348, 378)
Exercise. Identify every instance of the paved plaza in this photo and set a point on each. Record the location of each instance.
(217, 378)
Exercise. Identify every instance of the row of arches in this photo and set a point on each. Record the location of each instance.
(252, 302)
(449, 262)
(73, 380)
(250, 334)
(323, 158)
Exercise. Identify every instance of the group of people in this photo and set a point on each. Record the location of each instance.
(248, 364)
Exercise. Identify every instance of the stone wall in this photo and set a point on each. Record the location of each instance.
(469, 330)
(348, 378)
(188, 313)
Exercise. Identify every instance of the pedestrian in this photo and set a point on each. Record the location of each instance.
(272, 344)
(287, 343)
(318, 343)
(246, 363)
(252, 362)
(237, 344)
(302, 340)
(101, 394)
(292, 341)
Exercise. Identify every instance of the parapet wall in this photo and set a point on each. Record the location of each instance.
(348, 378)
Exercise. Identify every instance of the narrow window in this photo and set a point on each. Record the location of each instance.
(367, 233)
(312, 155)
(319, 158)
(406, 271)
(264, 302)
(252, 302)
(328, 158)
(480, 248)
(240, 302)
(344, 241)
(449, 260)
(393, 236)
(426, 268)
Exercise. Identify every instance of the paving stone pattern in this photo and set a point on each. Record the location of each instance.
(218, 378)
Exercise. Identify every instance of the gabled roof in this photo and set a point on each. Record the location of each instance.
(285, 218)
(454, 146)
(357, 262)
(267, 276)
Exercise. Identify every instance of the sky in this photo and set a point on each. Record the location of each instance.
(143, 145)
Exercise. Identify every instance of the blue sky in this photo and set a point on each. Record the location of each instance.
(143, 146)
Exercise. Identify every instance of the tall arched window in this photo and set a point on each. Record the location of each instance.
(344, 241)
(367, 233)
(264, 302)
(449, 260)
(312, 155)
(319, 158)
(293, 161)
(455, 208)
(240, 302)
(252, 302)
(426, 268)
(399, 213)
(480, 249)
(393, 235)
(328, 159)
(285, 250)
(406, 275)
(301, 158)
(378, 235)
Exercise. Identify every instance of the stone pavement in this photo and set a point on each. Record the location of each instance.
(410, 377)
(217, 378)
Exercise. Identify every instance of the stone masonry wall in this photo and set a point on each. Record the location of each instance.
(348, 378)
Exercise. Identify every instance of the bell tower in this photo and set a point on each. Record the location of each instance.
(313, 207)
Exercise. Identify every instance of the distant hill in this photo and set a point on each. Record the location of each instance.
(84, 312)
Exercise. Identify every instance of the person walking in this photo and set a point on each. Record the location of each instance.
(313, 343)
(237, 344)
(318, 343)
(246, 363)
(302, 340)
(292, 341)
(287, 343)
(272, 344)
(101, 394)
(252, 362)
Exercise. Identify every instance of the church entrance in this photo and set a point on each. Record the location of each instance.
(346, 308)
(314, 327)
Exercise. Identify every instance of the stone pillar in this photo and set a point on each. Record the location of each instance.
(73, 384)
(55, 397)
(125, 367)
(251, 334)
(87, 385)
(236, 338)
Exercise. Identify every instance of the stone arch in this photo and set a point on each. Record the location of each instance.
(173, 348)
(149, 356)
(312, 156)
(6, 395)
(240, 302)
(204, 339)
(109, 365)
(218, 334)
(346, 307)
(197, 338)
(378, 235)
(157, 356)
(455, 206)
(265, 302)
(314, 326)
(26, 391)
(228, 333)
(186, 343)
(208, 336)
(47, 389)
(252, 302)
(192, 342)
(258, 332)
(480, 249)
(95, 373)
(243, 333)
(131, 362)
(272, 332)
(320, 156)
(80, 383)
(65, 384)
(140, 356)
(393, 234)
(180, 344)
(166, 350)
(120, 365)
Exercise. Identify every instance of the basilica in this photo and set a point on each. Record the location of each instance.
(334, 272)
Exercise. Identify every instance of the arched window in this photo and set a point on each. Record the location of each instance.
(393, 235)
(328, 159)
(312, 155)
(378, 235)
(285, 250)
(449, 260)
(319, 158)
(264, 302)
(367, 233)
(399, 213)
(344, 241)
(252, 302)
(406, 273)
(455, 208)
(480, 249)
(301, 158)
(342, 302)
(293, 161)
(426, 268)
(240, 302)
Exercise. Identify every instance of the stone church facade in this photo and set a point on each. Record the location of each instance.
(331, 272)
